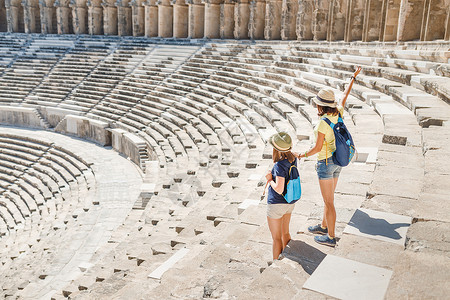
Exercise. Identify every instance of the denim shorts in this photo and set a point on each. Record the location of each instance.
(327, 169)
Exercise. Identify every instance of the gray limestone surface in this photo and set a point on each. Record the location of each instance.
(206, 109)
(66, 255)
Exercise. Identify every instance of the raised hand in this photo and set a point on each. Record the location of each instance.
(357, 71)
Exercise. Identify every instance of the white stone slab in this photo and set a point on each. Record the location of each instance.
(72, 126)
(367, 155)
(379, 225)
(391, 109)
(246, 204)
(148, 187)
(347, 279)
(255, 177)
(84, 266)
(157, 274)
(265, 134)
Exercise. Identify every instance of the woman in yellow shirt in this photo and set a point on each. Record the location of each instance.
(327, 171)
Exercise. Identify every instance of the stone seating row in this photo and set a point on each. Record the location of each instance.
(159, 289)
(404, 91)
(219, 96)
(38, 171)
(409, 72)
(172, 236)
(55, 208)
(26, 71)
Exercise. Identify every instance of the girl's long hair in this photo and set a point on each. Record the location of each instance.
(277, 156)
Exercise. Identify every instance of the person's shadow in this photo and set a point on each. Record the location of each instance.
(373, 226)
(307, 256)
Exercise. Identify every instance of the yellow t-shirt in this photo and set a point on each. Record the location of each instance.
(328, 145)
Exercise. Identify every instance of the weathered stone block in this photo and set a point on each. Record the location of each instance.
(85, 128)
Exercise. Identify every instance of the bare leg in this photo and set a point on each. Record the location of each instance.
(327, 189)
(324, 219)
(275, 230)
(285, 236)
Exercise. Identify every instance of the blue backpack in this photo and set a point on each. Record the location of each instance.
(345, 148)
(293, 190)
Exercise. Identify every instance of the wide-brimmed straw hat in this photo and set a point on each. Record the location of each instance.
(325, 97)
(281, 141)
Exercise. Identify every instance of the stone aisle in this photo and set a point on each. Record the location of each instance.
(118, 183)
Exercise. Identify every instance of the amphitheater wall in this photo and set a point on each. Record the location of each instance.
(151, 18)
(227, 20)
(165, 19)
(241, 19)
(31, 16)
(390, 17)
(109, 17)
(180, 19)
(337, 15)
(256, 23)
(354, 22)
(48, 16)
(124, 18)
(410, 19)
(272, 29)
(196, 19)
(331, 20)
(14, 16)
(436, 13)
(63, 17)
(85, 128)
(20, 116)
(289, 11)
(305, 20)
(79, 16)
(129, 145)
(138, 17)
(212, 17)
(372, 20)
(320, 19)
(3, 24)
(95, 17)
(54, 115)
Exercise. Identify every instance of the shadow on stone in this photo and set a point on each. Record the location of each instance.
(374, 226)
(307, 256)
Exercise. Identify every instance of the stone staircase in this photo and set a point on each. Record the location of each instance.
(206, 112)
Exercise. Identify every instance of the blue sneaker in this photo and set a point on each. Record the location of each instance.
(317, 229)
(325, 240)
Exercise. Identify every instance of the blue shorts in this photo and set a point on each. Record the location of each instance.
(327, 169)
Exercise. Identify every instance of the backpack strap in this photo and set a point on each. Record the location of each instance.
(331, 124)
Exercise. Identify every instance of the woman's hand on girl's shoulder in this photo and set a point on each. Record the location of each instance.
(296, 154)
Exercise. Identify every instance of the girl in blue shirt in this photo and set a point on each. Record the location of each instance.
(278, 210)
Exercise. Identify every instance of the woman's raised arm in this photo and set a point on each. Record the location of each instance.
(349, 87)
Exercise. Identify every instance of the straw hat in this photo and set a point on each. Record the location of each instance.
(325, 97)
(281, 141)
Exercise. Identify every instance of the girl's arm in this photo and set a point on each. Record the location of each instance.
(349, 87)
(279, 185)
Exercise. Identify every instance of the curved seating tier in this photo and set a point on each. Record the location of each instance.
(206, 111)
(57, 207)
(36, 178)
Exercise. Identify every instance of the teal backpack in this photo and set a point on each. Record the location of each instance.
(293, 190)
